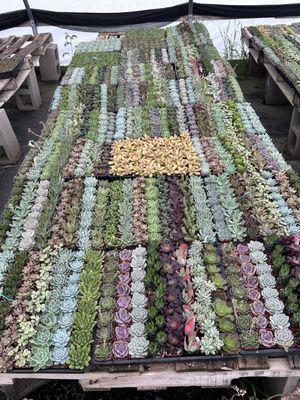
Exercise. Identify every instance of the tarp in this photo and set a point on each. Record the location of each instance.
(96, 20)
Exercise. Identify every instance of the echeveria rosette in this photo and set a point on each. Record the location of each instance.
(279, 322)
(120, 349)
(138, 344)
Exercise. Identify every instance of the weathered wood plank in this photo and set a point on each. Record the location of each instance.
(289, 92)
(15, 47)
(278, 367)
(207, 366)
(34, 44)
(6, 42)
(253, 362)
(6, 95)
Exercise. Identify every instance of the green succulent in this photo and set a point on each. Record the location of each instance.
(241, 306)
(105, 333)
(238, 291)
(218, 281)
(107, 303)
(40, 357)
(226, 325)
(244, 322)
(42, 337)
(49, 320)
(222, 308)
(150, 328)
(161, 337)
(80, 338)
(103, 351)
(79, 357)
(249, 339)
(153, 348)
(83, 321)
(231, 343)
(105, 318)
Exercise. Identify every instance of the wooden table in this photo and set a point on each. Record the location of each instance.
(30, 48)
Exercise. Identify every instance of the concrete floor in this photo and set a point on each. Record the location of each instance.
(21, 121)
(275, 119)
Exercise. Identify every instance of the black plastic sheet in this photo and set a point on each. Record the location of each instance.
(101, 21)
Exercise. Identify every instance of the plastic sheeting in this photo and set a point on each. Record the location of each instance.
(94, 20)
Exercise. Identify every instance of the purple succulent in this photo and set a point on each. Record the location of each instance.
(122, 317)
(120, 349)
(296, 272)
(261, 322)
(175, 339)
(253, 294)
(244, 258)
(174, 322)
(124, 266)
(258, 307)
(248, 269)
(122, 332)
(266, 338)
(122, 289)
(124, 278)
(241, 249)
(167, 268)
(125, 255)
(170, 309)
(124, 302)
(173, 295)
(251, 281)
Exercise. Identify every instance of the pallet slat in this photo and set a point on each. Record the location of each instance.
(15, 47)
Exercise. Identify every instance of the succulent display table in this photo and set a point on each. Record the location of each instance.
(18, 56)
(154, 227)
(276, 48)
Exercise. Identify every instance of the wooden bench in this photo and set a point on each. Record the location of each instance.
(279, 90)
(24, 86)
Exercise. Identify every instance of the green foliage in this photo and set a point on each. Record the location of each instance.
(116, 197)
(85, 316)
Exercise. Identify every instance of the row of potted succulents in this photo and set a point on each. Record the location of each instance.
(262, 317)
(280, 44)
(161, 104)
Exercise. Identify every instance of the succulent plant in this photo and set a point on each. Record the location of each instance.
(138, 347)
(222, 309)
(59, 355)
(244, 322)
(231, 343)
(40, 357)
(120, 349)
(284, 338)
(249, 339)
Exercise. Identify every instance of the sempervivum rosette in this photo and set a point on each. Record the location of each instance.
(122, 317)
(276, 332)
(138, 345)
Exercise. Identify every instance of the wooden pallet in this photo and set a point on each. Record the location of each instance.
(160, 376)
(29, 47)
